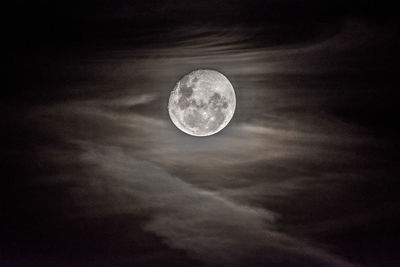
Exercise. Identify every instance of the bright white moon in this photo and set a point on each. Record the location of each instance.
(202, 103)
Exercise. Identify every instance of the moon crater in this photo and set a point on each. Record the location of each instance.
(202, 103)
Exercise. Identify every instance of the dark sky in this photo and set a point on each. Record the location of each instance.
(95, 173)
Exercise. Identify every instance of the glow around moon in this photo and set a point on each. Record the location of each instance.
(202, 103)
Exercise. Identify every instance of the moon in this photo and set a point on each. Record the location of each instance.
(202, 103)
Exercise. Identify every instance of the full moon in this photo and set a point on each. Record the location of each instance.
(202, 103)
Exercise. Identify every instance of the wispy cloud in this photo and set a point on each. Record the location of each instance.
(201, 222)
(212, 197)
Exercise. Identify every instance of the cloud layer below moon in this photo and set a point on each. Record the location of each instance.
(209, 226)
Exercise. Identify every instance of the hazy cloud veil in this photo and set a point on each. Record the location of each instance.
(197, 192)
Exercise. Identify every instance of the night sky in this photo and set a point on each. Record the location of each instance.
(94, 173)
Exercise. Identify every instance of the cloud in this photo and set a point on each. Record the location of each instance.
(209, 197)
(131, 101)
(212, 228)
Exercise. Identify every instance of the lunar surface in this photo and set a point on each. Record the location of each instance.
(202, 103)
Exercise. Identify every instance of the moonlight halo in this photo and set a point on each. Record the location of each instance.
(202, 102)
